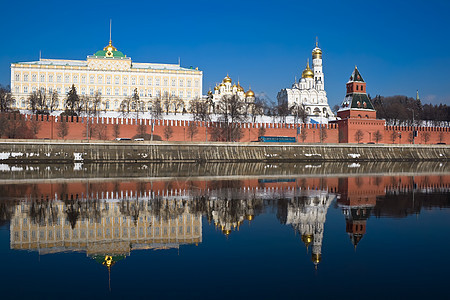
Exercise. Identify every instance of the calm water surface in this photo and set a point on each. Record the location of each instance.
(356, 236)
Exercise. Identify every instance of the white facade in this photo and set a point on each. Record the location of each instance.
(309, 91)
(226, 88)
(110, 73)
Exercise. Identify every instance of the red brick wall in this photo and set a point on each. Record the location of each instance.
(128, 129)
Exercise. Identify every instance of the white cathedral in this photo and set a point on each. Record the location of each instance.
(309, 91)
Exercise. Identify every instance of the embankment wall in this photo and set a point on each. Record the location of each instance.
(53, 151)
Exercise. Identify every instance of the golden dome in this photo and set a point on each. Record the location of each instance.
(307, 73)
(239, 87)
(209, 92)
(317, 53)
(250, 93)
(316, 258)
(222, 84)
(307, 239)
(234, 85)
(227, 79)
(110, 47)
(216, 88)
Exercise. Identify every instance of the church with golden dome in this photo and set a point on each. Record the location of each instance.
(309, 92)
(227, 88)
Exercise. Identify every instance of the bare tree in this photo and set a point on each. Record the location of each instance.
(257, 109)
(359, 135)
(426, 137)
(100, 131)
(299, 113)
(156, 110)
(323, 134)
(168, 132)
(62, 129)
(200, 110)
(116, 130)
(179, 104)
(37, 102)
(6, 99)
(35, 125)
(125, 107)
(441, 137)
(230, 115)
(16, 127)
(261, 131)
(141, 129)
(282, 111)
(394, 136)
(377, 136)
(411, 137)
(192, 130)
(53, 101)
(303, 134)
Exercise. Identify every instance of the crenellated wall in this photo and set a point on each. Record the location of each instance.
(307, 133)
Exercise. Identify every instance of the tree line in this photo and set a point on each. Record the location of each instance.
(402, 110)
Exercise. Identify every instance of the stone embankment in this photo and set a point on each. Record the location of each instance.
(52, 151)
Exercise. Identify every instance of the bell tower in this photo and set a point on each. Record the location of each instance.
(317, 67)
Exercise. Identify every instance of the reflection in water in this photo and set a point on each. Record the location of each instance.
(108, 220)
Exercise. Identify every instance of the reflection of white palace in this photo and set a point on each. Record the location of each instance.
(108, 228)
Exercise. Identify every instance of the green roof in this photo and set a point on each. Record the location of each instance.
(356, 76)
(115, 54)
(361, 101)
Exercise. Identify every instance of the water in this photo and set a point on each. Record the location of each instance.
(254, 231)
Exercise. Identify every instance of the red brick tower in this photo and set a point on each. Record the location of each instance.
(357, 118)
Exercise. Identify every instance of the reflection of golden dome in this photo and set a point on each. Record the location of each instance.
(226, 231)
(250, 217)
(227, 79)
(307, 239)
(316, 258)
(307, 73)
(108, 262)
(317, 53)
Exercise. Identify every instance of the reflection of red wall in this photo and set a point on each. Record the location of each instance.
(354, 191)
(357, 191)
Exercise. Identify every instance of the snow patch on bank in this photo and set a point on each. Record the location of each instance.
(78, 156)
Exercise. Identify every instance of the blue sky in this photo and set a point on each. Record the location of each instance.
(398, 46)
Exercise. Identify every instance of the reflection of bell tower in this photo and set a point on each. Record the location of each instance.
(307, 215)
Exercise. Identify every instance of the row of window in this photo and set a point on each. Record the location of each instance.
(107, 232)
(107, 105)
(117, 80)
(111, 92)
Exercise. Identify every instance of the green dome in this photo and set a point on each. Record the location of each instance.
(109, 51)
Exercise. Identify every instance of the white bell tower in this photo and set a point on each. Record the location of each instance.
(317, 67)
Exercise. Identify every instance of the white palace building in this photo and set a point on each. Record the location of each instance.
(110, 73)
(309, 91)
